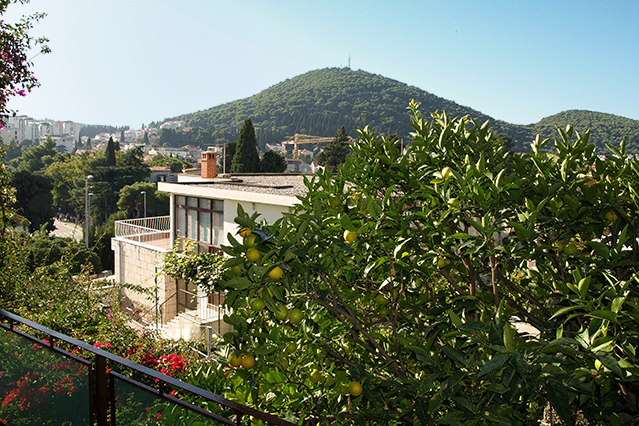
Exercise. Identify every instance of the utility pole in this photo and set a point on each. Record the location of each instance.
(87, 207)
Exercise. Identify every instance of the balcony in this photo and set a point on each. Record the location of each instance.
(153, 232)
(44, 381)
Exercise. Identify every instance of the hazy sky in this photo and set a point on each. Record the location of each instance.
(130, 62)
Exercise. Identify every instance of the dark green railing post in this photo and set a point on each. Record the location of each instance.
(102, 390)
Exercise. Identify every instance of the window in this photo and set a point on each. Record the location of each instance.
(200, 219)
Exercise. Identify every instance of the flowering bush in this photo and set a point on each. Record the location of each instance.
(16, 78)
(39, 386)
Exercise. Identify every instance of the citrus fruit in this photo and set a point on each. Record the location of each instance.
(291, 347)
(234, 360)
(236, 270)
(249, 240)
(446, 172)
(248, 361)
(253, 254)
(330, 380)
(315, 376)
(355, 388)
(381, 300)
(244, 232)
(276, 273)
(335, 201)
(570, 249)
(295, 316)
(350, 236)
(281, 313)
(257, 304)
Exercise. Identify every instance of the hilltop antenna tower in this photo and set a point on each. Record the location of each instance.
(349, 61)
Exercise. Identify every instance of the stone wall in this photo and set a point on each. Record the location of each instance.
(137, 265)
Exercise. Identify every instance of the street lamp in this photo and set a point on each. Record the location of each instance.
(86, 210)
(144, 192)
(91, 194)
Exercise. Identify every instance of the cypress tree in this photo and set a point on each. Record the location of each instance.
(110, 153)
(273, 162)
(228, 156)
(246, 159)
(335, 153)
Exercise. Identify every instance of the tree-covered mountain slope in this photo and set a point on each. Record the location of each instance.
(604, 129)
(320, 102)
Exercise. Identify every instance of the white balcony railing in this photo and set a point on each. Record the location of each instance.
(155, 231)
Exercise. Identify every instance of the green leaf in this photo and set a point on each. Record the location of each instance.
(346, 223)
(606, 315)
(239, 283)
(497, 362)
(566, 310)
(454, 355)
(600, 248)
(558, 398)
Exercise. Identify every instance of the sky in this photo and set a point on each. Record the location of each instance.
(132, 62)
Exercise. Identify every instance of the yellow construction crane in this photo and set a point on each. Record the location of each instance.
(311, 139)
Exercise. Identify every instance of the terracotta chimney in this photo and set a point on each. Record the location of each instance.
(209, 164)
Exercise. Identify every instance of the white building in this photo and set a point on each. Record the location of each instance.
(202, 210)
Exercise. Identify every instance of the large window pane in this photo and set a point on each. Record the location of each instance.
(181, 222)
(218, 205)
(180, 200)
(205, 203)
(191, 201)
(218, 228)
(205, 227)
(191, 224)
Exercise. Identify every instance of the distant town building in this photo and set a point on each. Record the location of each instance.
(172, 125)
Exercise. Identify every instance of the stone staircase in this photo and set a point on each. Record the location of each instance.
(190, 326)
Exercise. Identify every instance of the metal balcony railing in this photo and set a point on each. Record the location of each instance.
(42, 384)
(155, 231)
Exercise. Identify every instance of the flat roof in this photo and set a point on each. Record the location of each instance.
(288, 184)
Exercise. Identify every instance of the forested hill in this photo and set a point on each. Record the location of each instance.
(319, 102)
(604, 129)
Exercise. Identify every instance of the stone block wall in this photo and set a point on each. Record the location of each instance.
(138, 265)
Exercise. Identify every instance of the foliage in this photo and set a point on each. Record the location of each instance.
(204, 270)
(109, 154)
(92, 130)
(336, 152)
(604, 129)
(246, 158)
(420, 275)
(39, 386)
(229, 153)
(131, 200)
(162, 160)
(38, 157)
(320, 100)
(188, 136)
(272, 162)
(16, 78)
(314, 102)
(109, 180)
(34, 199)
(41, 249)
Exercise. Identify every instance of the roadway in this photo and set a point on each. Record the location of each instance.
(67, 230)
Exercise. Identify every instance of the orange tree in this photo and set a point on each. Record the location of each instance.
(449, 283)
